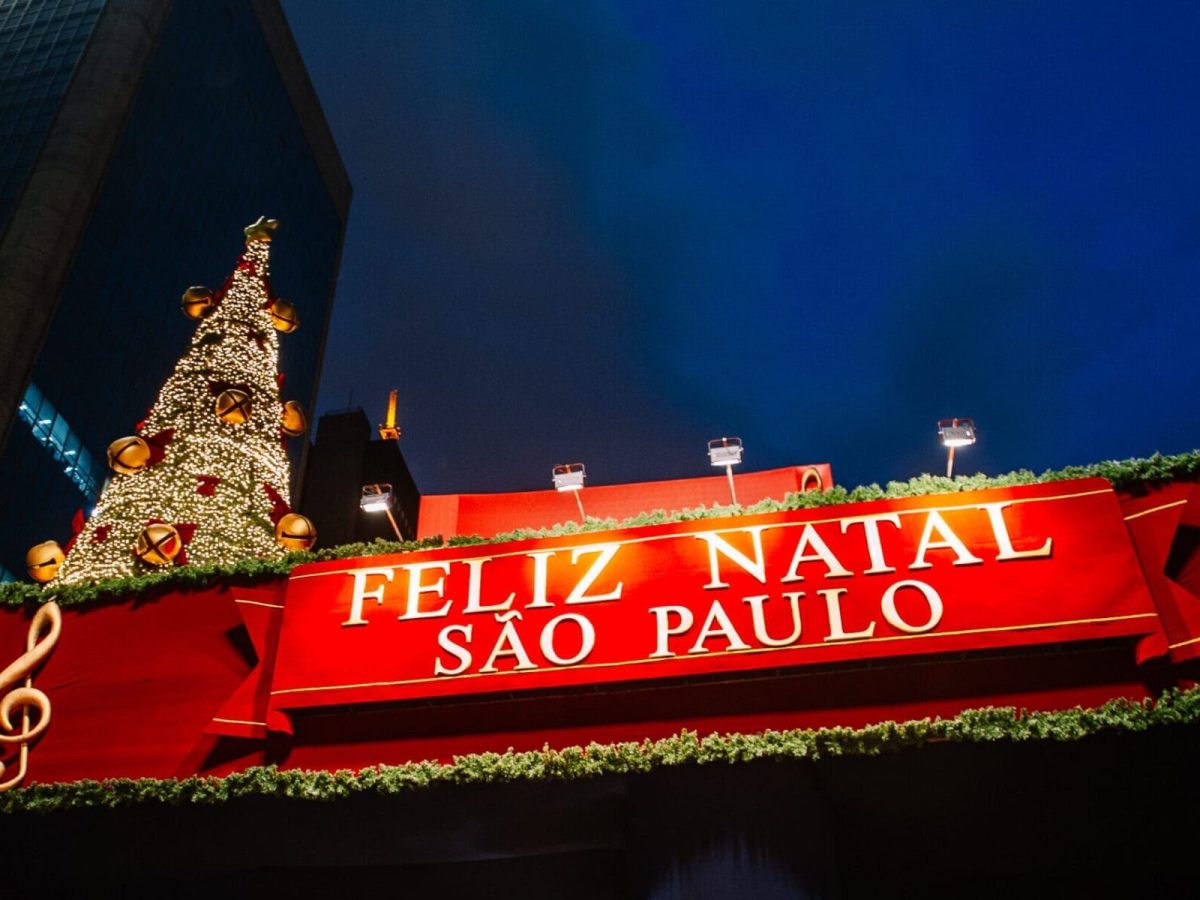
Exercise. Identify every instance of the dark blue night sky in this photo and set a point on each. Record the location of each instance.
(608, 231)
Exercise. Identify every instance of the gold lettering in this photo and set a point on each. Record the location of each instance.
(459, 652)
(760, 619)
(949, 541)
(717, 623)
(995, 513)
(663, 630)
(931, 597)
(837, 631)
(540, 559)
(870, 526)
(821, 553)
(587, 638)
(360, 593)
(415, 589)
(717, 544)
(509, 644)
(605, 554)
(475, 589)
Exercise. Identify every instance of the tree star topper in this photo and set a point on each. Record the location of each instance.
(262, 230)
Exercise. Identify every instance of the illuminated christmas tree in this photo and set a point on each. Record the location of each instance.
(206, 478)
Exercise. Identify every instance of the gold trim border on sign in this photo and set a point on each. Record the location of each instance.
(633, 662)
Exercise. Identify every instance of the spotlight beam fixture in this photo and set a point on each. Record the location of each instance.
(955, 433)
(726, 452)
(377, 498)
(569, 477)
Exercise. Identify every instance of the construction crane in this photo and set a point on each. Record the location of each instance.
(389, 430)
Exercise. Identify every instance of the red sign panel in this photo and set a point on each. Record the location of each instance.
(924, 575)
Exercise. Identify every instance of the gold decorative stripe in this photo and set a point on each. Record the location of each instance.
(633, 662)
(260, 603)
(1195, 640)
(238, 722)
(1146, 512)
(683, 534)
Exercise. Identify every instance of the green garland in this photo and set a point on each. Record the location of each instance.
(1127, 474)
(988, 725)
(246, 571)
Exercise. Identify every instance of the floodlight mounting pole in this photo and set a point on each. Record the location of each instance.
(950, 455)
(579, 503)
(729, 475)
(395, 527)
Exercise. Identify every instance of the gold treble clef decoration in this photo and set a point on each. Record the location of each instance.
(26, 697)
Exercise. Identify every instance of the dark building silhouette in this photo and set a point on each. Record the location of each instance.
(343, 459)
(137, 138)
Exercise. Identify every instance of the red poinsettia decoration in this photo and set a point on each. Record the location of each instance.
(279, 506)
(158, 445)
(259, 337)
(77, 522)
(208, 485)
(220, 294)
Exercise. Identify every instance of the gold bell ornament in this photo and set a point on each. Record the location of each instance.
(295, 532)
(128, 455)
(158, 544)
(233, 406)
(293, 421)
(197, 302)
(42, 561)
(284, 316)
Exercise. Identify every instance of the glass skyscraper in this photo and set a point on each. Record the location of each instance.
(137, 138)
(40, 44)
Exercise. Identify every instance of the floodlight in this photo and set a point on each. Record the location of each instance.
(570, 477)
(955, 433)
(378, 498)
(726, 452)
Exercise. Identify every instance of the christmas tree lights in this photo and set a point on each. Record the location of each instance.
(218, 474)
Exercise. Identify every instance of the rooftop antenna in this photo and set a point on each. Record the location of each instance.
(389, 430)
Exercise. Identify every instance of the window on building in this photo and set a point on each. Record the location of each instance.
(52, 431)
